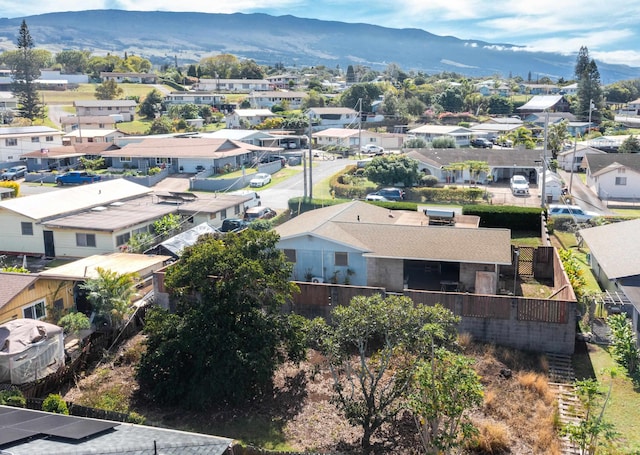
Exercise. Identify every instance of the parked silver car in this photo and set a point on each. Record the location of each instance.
(14, 173)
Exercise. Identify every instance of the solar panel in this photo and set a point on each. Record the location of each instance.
(8, 435)
(17, 424)
(81, 428)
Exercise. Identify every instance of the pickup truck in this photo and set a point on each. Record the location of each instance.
(77, 178)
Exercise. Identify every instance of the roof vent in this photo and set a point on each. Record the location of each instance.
(117, 204)
(99, 209)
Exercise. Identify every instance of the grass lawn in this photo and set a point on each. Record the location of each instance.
(623, 409)
(628, 212)
(135, 127)
(567, 241)
(525, 238)
(87, 92)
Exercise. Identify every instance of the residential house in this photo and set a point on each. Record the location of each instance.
(332, 117)
(123, 109)
(607, 143)
(240, 118)
(461, 136)
(539, 89)
(140, 78)
(101, 218)
(631, 109)
(57, 289)
(184, 154)
(368, 245)
(493, 130)
(86, 136)
(574, 156)
(545, 103)
(66, 435)
(283, 81)
(614, 176)
(8, 107)
(569, 90)
(99, 122)
(549, 118)
(503, 164)
(615, 260)
(16, 141)
(346, 137)
(199, 98)
(71, 79)
(268, 99)
(64, 157)
(232, 85)
(260, 138)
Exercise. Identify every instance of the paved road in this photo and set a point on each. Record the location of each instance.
(583, 196)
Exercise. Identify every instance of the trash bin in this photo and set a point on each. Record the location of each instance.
(549, 198)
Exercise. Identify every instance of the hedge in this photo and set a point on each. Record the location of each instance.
(507, 216)
(15, 186)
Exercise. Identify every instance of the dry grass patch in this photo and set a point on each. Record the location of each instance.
(492, 437)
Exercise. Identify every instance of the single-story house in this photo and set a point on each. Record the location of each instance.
(95, 122)
(101, 217)
(37, 295)
(283, 81)
(332, 117)
(503, 164)
(539, 89)
(614, 175)
(249, 117)
(493, 130)
(462, 136)
(64, 157)
(16, 141)
(346, 137)
(124, 108)
(367, 245)
(260, 138)
(185, 154)
(86, 136)
(66, 435)
(232, 85)
(545, 103)
(615, 261)
(268, 99)
(550, 118)
(141, 78)
(608, 143)
(631, 109)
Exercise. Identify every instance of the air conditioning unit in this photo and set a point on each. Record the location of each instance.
(317, 279)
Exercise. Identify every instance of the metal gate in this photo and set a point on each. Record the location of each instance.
(525, 261)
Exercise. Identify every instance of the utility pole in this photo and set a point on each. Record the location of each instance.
(573, 161)
(359, 126)
(310, 163)
(543, 196)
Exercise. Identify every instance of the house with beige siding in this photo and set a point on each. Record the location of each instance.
(16, 141)
(268, 99)
(125, 109)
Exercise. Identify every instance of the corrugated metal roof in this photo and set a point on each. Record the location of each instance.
(69, 200)
(120, 262)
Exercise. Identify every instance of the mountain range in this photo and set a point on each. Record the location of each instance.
(167, 37)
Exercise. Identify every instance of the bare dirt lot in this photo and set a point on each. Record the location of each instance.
(517, 416)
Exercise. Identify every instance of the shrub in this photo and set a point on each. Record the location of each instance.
(12, 397)
(507, 216)
(624, 347)
(492, 437)
(54, 403)
(15, 186)
(154, 170)
(134, 417)
(429, 180)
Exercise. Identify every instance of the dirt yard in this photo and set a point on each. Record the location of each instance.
(518, 414)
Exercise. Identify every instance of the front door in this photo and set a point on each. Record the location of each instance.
(49, 247)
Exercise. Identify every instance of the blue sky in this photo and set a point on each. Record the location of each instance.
(610, 29)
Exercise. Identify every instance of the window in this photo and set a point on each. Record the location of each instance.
(341, 258)
(621, 180)
(123, 239)
(86, 240)
(142, 230)
(49, 139)
(58, 305)
(290, 255)
(27, 228)
(163, 161)
(35, 311)
(10, 142)
(223, 214)
(125, 159)
(236, 210)
(35, 139)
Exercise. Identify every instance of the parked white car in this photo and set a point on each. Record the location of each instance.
(519, 185)
(372, 149)
(260, 179)
(575, 211)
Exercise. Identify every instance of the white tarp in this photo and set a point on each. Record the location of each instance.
(29, 350)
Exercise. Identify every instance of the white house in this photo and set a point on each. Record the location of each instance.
(268, 99)
(283, 81)
(73, 122)
(632, 108)
(332, 117)
(232, 85)
(251, 117)
(198, 98)
(126, 108)
(87, 135)
(614, 175)
(140, 78)
(462, 136)
(15, 141)
(574, 156)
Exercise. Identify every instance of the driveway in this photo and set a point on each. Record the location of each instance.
(583, 196)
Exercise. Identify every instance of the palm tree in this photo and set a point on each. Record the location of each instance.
(110, 294)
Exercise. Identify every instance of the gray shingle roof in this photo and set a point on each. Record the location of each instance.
(378, 232)
(616, 247)
(13, 283)
(599, 162)
(494, 157)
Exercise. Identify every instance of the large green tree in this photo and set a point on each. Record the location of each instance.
(557, 136)
(152, 104)
(110, 295)
(367, 92)
(228, 334)
(25, 72)
(73, 61)
(108, 90)
(392, 169)
(589, 92)
(373, 346)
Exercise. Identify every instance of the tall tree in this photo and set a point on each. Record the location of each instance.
(582, 61)
(152, 104)
(108, 90)
(558, 134)
(73, 61)
(110, 294)
(389, 170)
(589, 92)
(373, 346)
(228, 334)
(351, 75)
(25, 72)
